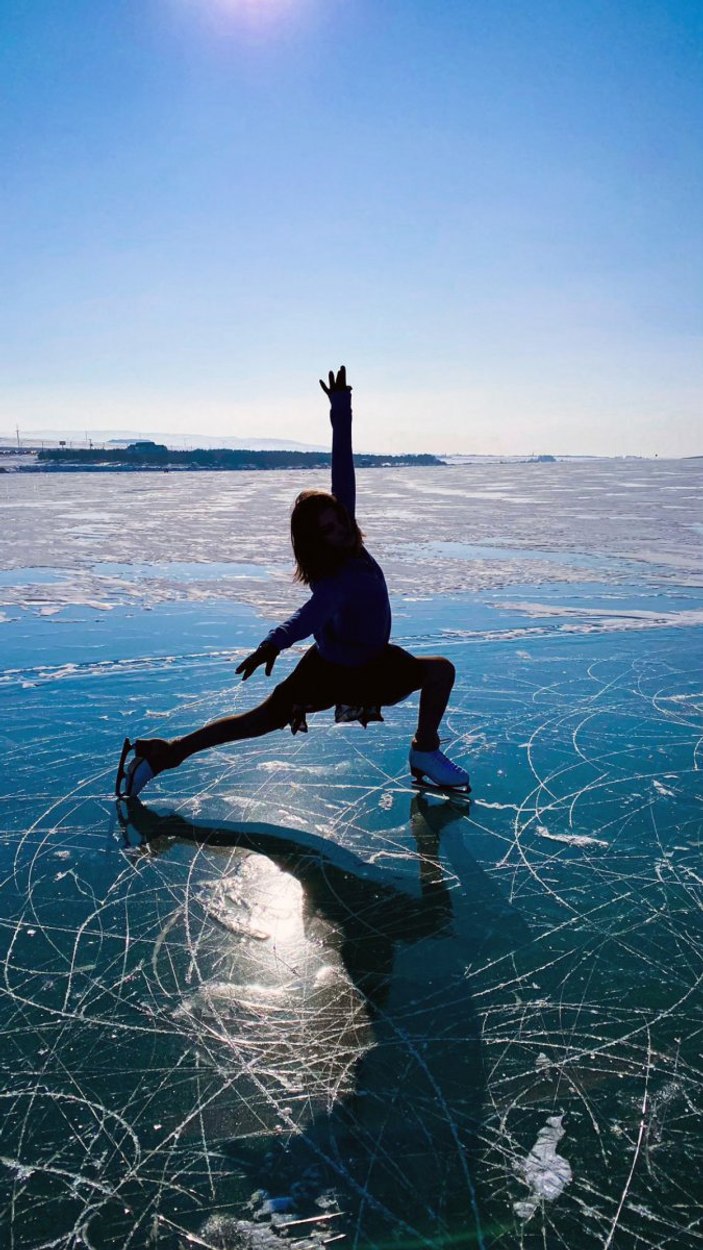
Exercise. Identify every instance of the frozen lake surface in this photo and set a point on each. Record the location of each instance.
(290, 999)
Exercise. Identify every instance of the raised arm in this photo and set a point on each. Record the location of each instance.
(343, 479)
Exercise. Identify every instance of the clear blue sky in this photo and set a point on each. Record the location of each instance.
(490, 210)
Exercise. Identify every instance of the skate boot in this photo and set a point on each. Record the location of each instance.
(434, 769)
(132, 777)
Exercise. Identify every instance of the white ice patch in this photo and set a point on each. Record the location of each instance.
(64, 559)
(573, 839)
(500, 807)
(608, 619)
(663, 790)
(309, 770)
(21, 1172)
(545, 1172)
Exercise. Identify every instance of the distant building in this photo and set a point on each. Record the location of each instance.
(147, 448)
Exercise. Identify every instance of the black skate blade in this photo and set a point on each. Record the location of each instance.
(126, 748)
(457, 792)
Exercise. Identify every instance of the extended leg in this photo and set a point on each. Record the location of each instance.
(154, 755)
(252, 724)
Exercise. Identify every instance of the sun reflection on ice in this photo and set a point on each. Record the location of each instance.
(275, 900)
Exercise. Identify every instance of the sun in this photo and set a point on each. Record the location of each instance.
(258, 12)
(258, 18)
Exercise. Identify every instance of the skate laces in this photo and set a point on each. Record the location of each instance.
(440, 756)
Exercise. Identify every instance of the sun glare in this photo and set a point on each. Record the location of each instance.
(256, 20)
(257, 12)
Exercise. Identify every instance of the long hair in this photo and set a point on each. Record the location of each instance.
(313, 557)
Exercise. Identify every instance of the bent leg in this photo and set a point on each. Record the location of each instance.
(438, 676)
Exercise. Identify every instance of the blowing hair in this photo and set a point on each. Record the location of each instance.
(313, 558)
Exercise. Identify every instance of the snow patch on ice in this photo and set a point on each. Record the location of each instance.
(573, 839)
(609, 618)
(544, 1171)
(663, 790)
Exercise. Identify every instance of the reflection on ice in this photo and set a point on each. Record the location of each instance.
(358, 1017)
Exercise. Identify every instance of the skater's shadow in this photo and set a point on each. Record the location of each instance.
(399, 1150)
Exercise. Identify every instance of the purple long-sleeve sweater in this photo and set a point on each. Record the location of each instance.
(349, 614)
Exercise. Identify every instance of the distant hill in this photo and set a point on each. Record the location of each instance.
(146, 454)
(122, 438)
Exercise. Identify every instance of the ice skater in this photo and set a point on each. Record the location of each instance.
(352, 666)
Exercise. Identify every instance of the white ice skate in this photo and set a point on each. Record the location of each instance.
(132, 777)
(434, 769)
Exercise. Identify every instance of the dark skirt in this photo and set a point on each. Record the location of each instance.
(356, 692)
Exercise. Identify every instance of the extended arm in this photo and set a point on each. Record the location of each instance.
(306, 621)
(343, 479)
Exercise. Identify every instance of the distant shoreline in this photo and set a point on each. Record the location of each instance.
(160, 459)
(154, 457)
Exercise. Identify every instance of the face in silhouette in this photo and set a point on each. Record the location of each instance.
(334, 530)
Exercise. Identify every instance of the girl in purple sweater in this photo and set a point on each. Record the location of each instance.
(351, 666)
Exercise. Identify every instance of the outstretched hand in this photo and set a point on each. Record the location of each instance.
(335, 385)
(265, 654)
